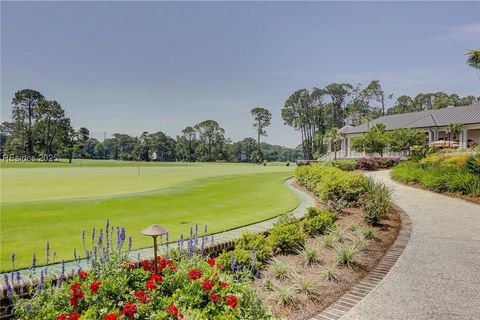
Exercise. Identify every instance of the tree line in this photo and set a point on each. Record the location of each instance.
(40, 127)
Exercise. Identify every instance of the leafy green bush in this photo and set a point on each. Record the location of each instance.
(318, 224)
(341, 186)
(376, 200)
(310, 176)
(286, 236)
(473, 165)
(465, 183)
(238, 260)
(331, 184)
(345, 165)
(255, 241)
(440, 177)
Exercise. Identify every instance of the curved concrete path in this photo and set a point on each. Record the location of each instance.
(438, 275)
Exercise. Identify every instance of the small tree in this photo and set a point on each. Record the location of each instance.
(334, 138)
(404, 139)
(262, 119)
(374, 141)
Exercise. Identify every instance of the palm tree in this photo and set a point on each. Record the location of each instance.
(473, 59)
(333, 137)
(454, 129)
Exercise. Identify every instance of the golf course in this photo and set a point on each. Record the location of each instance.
(56, 201)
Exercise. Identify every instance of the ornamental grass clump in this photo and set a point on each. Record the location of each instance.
(328, 273)
(280, 269)
(345, 254)
(285, 295)
(376, 200)
(309, 254)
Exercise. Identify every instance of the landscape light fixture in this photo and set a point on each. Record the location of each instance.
(154, 231)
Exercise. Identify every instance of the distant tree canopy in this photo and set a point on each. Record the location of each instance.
(40, 127)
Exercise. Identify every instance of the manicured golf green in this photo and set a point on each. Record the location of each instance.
(56, 202)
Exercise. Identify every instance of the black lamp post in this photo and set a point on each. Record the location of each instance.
(154, 231)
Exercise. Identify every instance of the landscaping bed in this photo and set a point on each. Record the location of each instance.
(323, 291)
(304, 266)
(457, 175)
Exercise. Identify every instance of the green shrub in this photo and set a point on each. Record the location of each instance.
(465, 183)
(286, 236)
(242, 260)
(473, 165)
(455, 161)
(318, 224)
(254, 241)
(442, 177)
(376, 200)
(341, 186)
(345, 165)
(420, 153)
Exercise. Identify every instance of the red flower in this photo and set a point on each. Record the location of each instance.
(173, 310)
(74, 287)
(110, 316)
(214, 298)
(223, 284)
(151, 285)
(195, 274)
(146, 265)
(95, 285)
(74, 316)
(180, 316)
(62, 316)
(129, 309)
(211, 262)
(73, 301)
(207, 284)
(173, 268)
(156, 278)
(83, 275)
(142, 296)
(232, 301)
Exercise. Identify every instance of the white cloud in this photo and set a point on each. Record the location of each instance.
(461, 32)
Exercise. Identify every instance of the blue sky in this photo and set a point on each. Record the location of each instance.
(129, 67)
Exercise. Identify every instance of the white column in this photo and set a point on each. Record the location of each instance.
(464, 139)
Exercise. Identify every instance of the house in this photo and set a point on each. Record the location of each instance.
(434, 122)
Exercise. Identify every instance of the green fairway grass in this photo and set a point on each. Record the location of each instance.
(49, 203)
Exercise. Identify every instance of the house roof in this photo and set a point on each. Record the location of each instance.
(423, 119)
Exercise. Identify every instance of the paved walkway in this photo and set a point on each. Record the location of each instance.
(438, 275)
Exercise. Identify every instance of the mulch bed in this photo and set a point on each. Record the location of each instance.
(326, 292)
